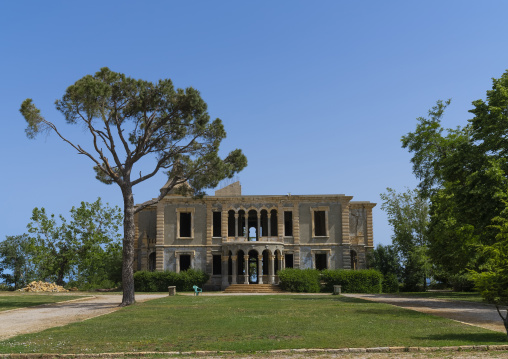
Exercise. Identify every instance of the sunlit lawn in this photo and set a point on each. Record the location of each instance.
(21, 300)
(251, 323)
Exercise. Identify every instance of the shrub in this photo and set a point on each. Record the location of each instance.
(353, 281)
(5, 287)
(145, 281)
(462, 282)
(390, 283)
(299, 280)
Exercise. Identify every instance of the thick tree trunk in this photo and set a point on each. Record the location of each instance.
(128, 247)
(504, 318)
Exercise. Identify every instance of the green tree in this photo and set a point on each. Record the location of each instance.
(491, 278)
(408, 214)
(463, 172)
(82, 248)
(130, 119)
(386, 260)
(16, 265)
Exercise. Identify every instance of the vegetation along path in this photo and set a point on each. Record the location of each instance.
(34, 319)
(478, 314)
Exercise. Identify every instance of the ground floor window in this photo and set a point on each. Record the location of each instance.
(185, 262)
(320, 259)
(217, 264)
(152, 261)
(289, 260)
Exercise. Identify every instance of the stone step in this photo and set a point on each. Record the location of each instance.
(253, 288)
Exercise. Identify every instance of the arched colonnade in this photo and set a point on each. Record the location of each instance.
(253, 224)
(251, 264)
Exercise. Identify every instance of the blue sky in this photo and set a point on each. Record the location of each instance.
(316, 93)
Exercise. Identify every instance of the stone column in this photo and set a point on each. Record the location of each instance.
(236, 226)
(159, 239)
(177, 263)
(246, 219)
(269, 216)
(246, 268)
(346, 244)
(260, 269)
(235, 269)
(225, 281)
(271, 259)
(224, 224)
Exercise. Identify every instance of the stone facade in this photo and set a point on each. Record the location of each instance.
(247, 239)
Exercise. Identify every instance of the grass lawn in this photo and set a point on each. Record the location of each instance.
(464, 296)
(251, 323)
(8, 302)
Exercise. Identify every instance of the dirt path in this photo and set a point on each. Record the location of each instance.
(477, 314)
(34, 319)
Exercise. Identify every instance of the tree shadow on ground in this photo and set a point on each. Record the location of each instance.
(474, 338)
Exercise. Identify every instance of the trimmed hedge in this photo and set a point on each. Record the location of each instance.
(353, 281)
(145, 281)
(299, 280)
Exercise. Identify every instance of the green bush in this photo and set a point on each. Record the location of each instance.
(353, 281)
(5, 287)
(390, 283)
(462, 282)
(299, 280)
(145, 281)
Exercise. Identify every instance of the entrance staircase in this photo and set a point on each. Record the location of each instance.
(254, 288)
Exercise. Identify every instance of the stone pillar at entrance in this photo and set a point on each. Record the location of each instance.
(260, 269)
(246, 268)
(271, 259)
(225, 281)
(235, 269)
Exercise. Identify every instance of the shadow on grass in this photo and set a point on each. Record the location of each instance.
(331, 298)
(478, 338)
(398, 312)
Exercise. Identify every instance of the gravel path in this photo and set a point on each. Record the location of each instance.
(34, 319)
(477, 314)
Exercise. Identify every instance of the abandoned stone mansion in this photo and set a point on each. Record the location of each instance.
(239, 239)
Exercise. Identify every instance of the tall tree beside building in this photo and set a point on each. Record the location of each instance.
(464, 172)
(408, 214)
(128, 120)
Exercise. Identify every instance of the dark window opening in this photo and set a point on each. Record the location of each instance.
(185, 224)
(273, 223)
(217, 264)
(319, 223)
(241, 223)
(265, 263)
(320, 261)
(241, 263)
(289, 260)
(217, 224)
(230, 264)
(152, 261)
(288, 224)
(185, 262)
(231, 223)
(264, 224)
